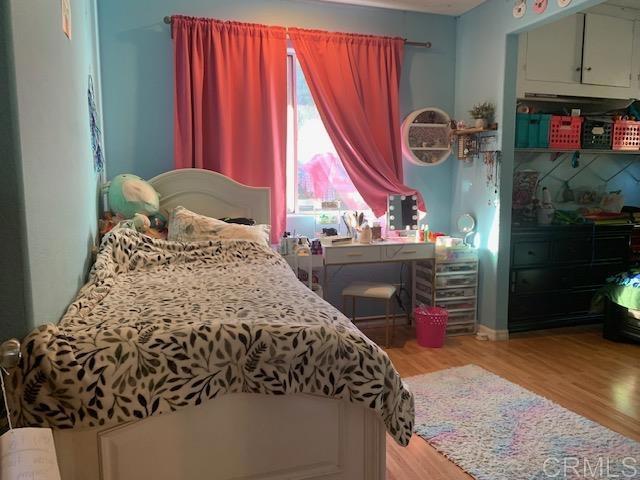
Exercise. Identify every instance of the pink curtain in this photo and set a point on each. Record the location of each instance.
(231, 104)
(355, 82)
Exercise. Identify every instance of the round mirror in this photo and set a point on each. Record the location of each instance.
(466, 223)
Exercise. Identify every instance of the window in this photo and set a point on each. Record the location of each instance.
(317, 183)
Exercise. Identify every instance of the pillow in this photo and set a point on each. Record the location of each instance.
(187, 226)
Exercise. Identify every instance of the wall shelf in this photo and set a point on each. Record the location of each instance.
(426, 137)
(472, 131)
(581, 151)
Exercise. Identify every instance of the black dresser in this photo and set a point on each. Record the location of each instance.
(555, 270)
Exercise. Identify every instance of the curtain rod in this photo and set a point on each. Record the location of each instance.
(167, 20)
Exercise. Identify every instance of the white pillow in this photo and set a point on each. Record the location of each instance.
(187, 226)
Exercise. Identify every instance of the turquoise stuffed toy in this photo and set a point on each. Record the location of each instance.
(129, 194)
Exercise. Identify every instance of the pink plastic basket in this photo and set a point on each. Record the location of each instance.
(431, 326)
(565, 132)
(626, 135)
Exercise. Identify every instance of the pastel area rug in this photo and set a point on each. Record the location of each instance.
(496, 430)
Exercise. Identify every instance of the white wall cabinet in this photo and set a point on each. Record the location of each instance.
(564, 40)
(584, 55)
(607, 51)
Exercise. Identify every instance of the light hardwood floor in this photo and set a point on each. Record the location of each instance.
(576, 368)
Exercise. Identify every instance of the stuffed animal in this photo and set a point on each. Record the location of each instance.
(141, 222)
(158, 221)
(129, 194)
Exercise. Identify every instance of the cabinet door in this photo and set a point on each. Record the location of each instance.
(608, 51)
(554, 51)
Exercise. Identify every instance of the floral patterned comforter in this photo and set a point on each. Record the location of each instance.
(163, 325)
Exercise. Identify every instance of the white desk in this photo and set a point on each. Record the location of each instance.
(388, 251)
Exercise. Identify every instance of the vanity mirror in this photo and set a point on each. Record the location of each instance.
(466, 225)
(402, 212)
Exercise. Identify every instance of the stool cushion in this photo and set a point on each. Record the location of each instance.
(369, 290)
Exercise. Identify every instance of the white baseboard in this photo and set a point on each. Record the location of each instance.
(486, 333)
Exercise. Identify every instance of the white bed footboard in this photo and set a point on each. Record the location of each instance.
(237, 436)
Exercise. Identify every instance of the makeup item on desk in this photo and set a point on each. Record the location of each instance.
(365, 234)
(376, 231)
(316, 247)
(284, 245)
(425, 235)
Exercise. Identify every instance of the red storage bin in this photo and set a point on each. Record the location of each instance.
(565, 132)
(431, 326)
(626, 135)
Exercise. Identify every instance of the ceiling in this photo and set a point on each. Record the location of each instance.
(444, 7)
(625, 3)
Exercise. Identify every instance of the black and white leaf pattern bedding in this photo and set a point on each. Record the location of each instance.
(164, 325)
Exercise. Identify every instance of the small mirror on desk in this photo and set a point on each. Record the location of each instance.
(402, 213)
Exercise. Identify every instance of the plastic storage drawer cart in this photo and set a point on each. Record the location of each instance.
(431, 326)
(532, 130)
(626, 135)
(597, 133)
(566, 132)
(450, 281)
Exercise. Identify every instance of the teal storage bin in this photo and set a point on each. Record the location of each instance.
(532, 130)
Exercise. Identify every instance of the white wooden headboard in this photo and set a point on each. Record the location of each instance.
(211, 194)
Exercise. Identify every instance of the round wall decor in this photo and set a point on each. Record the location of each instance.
(426, 136)
(563, 3)
(539, 6)
(519, 8)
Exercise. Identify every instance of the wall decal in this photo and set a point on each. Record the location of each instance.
(539, 6)
(94, 129)
(520, 8)
(563, 3)
(66, 17)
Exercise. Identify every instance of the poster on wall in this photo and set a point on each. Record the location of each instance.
(66, 18)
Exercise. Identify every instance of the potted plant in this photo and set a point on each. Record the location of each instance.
(482, 113)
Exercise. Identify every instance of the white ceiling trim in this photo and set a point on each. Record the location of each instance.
(442, 7)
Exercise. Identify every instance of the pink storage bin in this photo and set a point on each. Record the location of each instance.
(566, 132)
(431, 326)
(626, 135)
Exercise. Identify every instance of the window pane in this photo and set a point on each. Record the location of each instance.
(321, 176)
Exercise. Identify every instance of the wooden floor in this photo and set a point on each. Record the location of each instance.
(576, 368)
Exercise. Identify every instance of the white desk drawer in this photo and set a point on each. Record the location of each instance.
(341, 255)
(410, 251)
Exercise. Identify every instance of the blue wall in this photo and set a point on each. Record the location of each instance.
(58, 195)
(486, 70)
(136, 56)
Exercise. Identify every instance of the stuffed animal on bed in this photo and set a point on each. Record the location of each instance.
(134, 204)
(129, 194)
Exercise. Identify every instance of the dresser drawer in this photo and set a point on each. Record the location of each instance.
(614, 248)
(530, 253)
(573, 250)
(415, 251)
(341, 255)
(548, 279)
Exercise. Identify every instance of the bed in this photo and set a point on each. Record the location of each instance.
(208, 360)
(620, 301)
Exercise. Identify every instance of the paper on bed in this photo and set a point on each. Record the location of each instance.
(28, 453)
